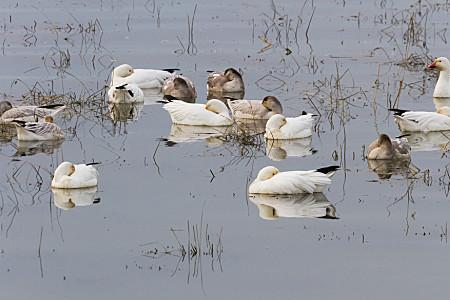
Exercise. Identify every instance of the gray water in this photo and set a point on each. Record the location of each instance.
(390, 238)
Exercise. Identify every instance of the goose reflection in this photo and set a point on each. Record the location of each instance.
(386, 168)
(7, 132)
(186, 134)
(431, 141)
(122, 112)
(69, 198)
(26, 148)
(272, 207)
(281, 149)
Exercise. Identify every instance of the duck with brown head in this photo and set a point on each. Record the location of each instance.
(385, 148)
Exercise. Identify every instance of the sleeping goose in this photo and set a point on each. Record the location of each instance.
(271, 181)
(389, 149)
(125, 93)
(38, 131)
(228, 81)
(281, 128)
(28, 113)
(70, 176)
(255, 109)
(180, 88)
(143, 78)
(424, 121)
(213, 113)
(442, 88)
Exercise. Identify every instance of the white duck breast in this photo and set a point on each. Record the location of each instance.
(213, 113)
(281, 128)
(442, 88)
(144, 78)
(125, 93)
(31, 113)
(38, 131)
(71, 176)
(411, 121)
(255, 109)
(272, 181)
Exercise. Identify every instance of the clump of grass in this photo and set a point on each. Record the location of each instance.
(247, 137)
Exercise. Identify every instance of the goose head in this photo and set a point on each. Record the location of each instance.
(232, 74)
(123, 71)
(216, 106)
(271, 103)
(276, 122)
(441, 64)
(64, 169)
(4, 106)
(444, 110)
(267, 173)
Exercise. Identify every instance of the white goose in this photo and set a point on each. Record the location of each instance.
(255, 109)
(389, 149)
(281, 128)
(271, 181)
(424, 121)
(28, 113)
(38, 131)
(70, 176)
(213, 113)
(144, 78)
(442, 88)
(125, 93)
(228, 81)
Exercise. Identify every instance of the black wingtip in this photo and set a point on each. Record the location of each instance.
(131, 93)
(167, 142)
(121, 87)
(328, 217)
(19, 122)
(398, 112)
(314, 151)
(326, 170)
(96, 200)
(403, 135)
(93, 163)
(170, 98)
(171, 70)
(50, 106)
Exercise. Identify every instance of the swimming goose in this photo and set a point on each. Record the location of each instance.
(69, 198)
(281, 128)
(28, 113)
(424, 121)
(442, 88)
(386, 148)
(229, 81)
(255, 109)
(38, 131)
(125, 93)
(271, 181)
(213, 113)
(180, 88)
(272, 207)
(70, 176)
(143, 78)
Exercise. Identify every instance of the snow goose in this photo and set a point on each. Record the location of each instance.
(143, 78)
(38, 131)
(271, 181)
(70, 176)
(125, 93)
(229, 81)
(423, 120)
(28, 113)
(180, 88)
(255, 109)
(281, 128)
(213, 113)
(442, 88)
(386, 148)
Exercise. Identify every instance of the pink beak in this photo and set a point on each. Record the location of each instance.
(432, 65)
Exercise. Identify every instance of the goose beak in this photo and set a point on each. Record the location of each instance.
(432, 65)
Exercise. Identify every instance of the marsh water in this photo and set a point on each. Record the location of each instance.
(171, 217)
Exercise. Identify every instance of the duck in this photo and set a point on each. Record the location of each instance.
(179, 87)
(271, 181)
(385, 148)
(213, 113)
(255, 109)
(281, 128)
(143, 78)
(273, 207)
(66, 199)
(424, 121)
(125, 93)
(70, 176)
(442, 88)
(228, 81)
(38, 131)
(28, 113)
